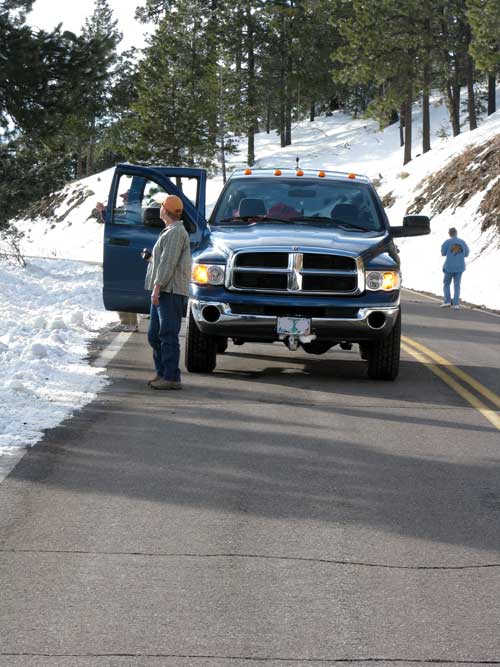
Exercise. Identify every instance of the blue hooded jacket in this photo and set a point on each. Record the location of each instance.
(455, 250)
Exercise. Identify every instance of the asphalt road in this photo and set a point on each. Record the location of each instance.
(285, 511)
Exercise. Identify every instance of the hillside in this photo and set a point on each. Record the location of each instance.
(457, 183)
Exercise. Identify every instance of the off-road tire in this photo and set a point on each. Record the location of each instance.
(383, 355)
(221, 345)
(363, 351)
(200, 350)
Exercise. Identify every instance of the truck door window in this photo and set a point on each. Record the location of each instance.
(189, 187)
(138, 202)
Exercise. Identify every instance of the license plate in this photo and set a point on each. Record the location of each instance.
(293, 326)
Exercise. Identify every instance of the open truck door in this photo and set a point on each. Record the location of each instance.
(132, 223)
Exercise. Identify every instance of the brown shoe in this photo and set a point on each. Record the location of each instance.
(165, 384)
(155, 379)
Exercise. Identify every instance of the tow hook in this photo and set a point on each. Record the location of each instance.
(293, 342)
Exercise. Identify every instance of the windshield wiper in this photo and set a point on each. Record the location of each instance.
(337, 222)
(251, 219)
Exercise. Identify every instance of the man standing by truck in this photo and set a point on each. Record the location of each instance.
(168, 276)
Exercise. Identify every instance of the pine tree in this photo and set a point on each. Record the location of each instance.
(100, 39)
(390, 64)
(177, 88)
(36, 73)
(484, 19)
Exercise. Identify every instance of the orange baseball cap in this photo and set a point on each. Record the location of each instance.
(173, 204)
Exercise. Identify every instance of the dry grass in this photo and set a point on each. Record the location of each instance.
(467, 174)
(388, 200)
(47, 206)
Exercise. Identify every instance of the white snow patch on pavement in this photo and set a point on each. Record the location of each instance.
(49, 313)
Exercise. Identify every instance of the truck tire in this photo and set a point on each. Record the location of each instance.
(383, 355)
(221, 345)
(201, 350)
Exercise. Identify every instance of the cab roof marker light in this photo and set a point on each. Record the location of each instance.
(351, 175)
(277, 172)
(247, 172)
(322, 174)
(299, 172)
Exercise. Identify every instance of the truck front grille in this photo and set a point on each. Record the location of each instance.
(296, 272)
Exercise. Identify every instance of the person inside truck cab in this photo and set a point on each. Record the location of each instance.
(118, 211)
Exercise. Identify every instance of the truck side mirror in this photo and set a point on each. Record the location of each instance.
(413, 225)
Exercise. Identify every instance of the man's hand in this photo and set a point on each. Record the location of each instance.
(155, 296)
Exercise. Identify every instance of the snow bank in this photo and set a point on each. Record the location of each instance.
(49, 312)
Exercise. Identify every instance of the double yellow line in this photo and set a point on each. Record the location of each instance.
(447, 372)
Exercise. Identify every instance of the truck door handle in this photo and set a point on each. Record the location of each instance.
(116, 241)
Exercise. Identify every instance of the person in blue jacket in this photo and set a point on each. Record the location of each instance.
(455, 250)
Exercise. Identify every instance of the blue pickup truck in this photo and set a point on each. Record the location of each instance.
(305, 257)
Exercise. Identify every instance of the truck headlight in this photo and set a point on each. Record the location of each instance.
(208, 274)
(382, 280)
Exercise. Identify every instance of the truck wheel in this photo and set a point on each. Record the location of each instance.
(201, 350)
(363, 351)
(383, 355)
(221, 345)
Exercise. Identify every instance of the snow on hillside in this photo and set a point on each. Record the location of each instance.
(52, 309)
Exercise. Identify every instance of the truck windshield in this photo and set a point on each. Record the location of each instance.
(309, 202)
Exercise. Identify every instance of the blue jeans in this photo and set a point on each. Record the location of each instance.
(448, 277)
(163, 335)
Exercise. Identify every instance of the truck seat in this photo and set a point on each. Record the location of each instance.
(251, 208)
(347, 212)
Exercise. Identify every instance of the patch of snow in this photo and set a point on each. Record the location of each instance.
(49, 311)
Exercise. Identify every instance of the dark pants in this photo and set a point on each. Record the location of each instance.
(163, 335)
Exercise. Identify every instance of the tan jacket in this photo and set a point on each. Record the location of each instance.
(170, 263)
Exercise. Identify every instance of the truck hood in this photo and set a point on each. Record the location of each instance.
(229, 239)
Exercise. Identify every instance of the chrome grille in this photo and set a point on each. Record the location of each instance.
(298, 272)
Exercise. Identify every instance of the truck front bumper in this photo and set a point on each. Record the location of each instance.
(217, 319)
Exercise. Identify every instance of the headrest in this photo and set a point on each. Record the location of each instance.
(251, 207)
(347, 212)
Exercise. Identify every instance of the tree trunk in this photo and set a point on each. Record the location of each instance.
(222, 131)
(288, 124)
(408, 126)
(79, 162)
(312, 112)
(91, 149)
(402, 112)
(471, 102)
(453, 108)
(492, 103)
(268, 115)
(282, 113)
(251, 86)
(281, 128)
(469, 75)
(426, 123)
(426, 120)
(251, 147)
